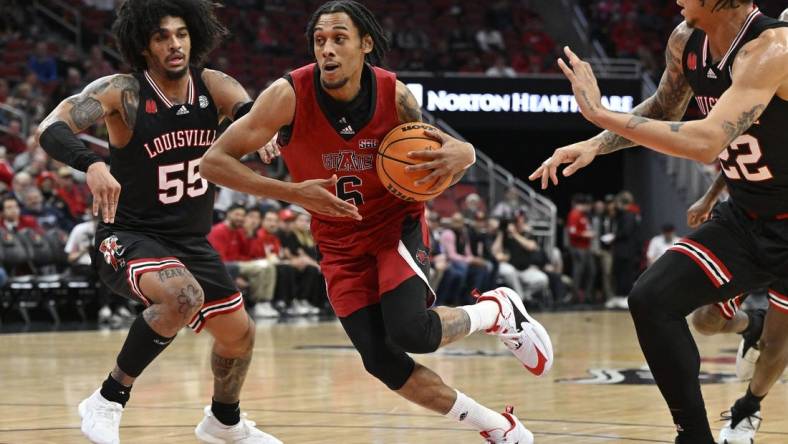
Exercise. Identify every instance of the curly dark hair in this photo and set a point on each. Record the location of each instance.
(137, 20)
(364, 20)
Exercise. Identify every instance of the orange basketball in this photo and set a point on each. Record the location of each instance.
(393, 158)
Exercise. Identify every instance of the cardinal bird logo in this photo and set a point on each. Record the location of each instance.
(692, 61)
(150, 106)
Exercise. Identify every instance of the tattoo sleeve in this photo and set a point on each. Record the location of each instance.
(407, 107)
(129, 97)
(668, 103)
(745, 120)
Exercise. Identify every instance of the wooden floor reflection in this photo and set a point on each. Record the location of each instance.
(307, 386)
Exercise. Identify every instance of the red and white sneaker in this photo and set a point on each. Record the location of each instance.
(515, 434)
(522, 335)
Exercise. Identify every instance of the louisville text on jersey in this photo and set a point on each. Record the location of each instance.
(179, 139)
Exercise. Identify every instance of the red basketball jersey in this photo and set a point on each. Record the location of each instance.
(316, 150)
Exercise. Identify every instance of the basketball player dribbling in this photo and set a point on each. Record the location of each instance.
(735, 60)
(156, 209)
(375, 261)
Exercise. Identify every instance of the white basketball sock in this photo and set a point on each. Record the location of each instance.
(483, 315)
(468, 411)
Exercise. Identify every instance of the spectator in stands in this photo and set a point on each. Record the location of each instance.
(71, 85)
(46, 183)
(626, 248)
(72, 194)
(13, 139)
(13, 221)
(519, 258)
(96, 65)
(490, 39)
(509, 206)
(266, 41)
(603, 224)
(67, 59)
(79, 248)
(472, 205)
(456, 244)
(27, 97)
(578, 227)
(43, 64)
(21, 182)
(300, 249)
(536, 39)
(482, 236)
(259, 276)
(500, 68)
(438, 262)
(22, 160)
(660, 243)
(46, 216)
(266, 244)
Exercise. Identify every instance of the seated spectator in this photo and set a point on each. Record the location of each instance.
(519, 259)
(79, 248)
(13, 221)
(264, 243)
(46, 183)
(258, 275)
(509, 206)
(660, 243)
(472, 205)
(96, 65)
(500, 68)
(46, 216)
(490, 39)
(74, 195)
(456, 244)
(6, 170)
(12, 139)
(411, 38)
(21, 182)
(68, 58)
(42, 63)
(299, 248)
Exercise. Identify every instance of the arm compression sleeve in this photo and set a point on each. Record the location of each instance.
(60, 143)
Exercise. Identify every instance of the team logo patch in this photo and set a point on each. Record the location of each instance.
(422, 256)
(368, 143)
(150, 106)
(203, 102)
(692, 61)
(113, 252)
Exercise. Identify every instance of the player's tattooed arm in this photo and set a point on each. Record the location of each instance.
(103, 97)
(408, 109)
(228, 94)
(671, 98)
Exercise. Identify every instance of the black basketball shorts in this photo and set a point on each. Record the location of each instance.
(122, 257)
(739, 253)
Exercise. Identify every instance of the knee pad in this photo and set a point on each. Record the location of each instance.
(418, 334)
(390, 367)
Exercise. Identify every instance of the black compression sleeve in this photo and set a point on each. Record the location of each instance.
(60, 143)
(242, 110)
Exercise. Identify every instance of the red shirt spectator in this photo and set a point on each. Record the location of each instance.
(578, 226)
(266, 240)
(72, 194)
(13, 221)
(12, 140)
(228, 237)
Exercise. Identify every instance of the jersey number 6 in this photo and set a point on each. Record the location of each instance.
(171, 187)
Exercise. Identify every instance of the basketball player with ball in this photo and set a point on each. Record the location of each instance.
(332, 118)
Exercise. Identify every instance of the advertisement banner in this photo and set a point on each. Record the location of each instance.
(507, 103)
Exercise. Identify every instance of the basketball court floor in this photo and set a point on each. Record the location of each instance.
(306, 385)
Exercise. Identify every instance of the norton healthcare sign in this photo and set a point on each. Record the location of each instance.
(508, 103)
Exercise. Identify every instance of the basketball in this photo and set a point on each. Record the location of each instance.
(393, 158)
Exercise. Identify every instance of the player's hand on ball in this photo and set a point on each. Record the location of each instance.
(313, 195)
(452, 158)
(270, 150)
(699, 212)
(584, 85)
(105, 190)
(578, 155)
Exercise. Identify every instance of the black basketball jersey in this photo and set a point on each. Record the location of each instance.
(756, 164)
(162, 191)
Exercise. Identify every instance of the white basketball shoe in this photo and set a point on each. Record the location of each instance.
(211, 431)
(743, 432)
(100, 419)
(515, 434)
(522, 335)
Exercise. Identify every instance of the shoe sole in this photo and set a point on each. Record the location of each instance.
(744, 367)
(541, 332)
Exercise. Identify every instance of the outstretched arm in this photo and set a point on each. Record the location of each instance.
(107, 97)
(273, 109)
(668, 102)
(761, 67)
